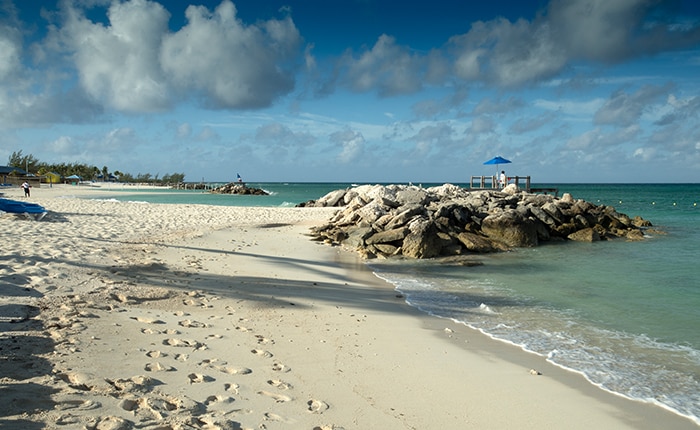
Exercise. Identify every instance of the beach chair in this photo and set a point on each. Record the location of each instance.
(30, 210)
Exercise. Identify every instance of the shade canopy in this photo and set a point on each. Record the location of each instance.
(497, 160)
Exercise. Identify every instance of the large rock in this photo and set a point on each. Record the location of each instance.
(585, 235)
(510, 229)
(238, 188)
(384, 221)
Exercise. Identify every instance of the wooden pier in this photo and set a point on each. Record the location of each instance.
(523, 182)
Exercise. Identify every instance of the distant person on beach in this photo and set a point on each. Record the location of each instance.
(503, 180)
(25, 186)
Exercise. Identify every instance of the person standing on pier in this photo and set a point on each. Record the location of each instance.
(503, 180)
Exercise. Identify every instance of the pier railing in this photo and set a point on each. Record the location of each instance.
(492, 183)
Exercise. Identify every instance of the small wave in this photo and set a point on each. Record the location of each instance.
(140, 202)
(484, 308)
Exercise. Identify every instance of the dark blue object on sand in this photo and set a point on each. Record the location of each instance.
(13, 206)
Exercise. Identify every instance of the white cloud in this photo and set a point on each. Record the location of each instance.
(62, 145)
(352, 144)
(510, 54)
(183, 130)
(483, 124)
(118, 63)
(387, 68)
(232, 65)
(624, 109)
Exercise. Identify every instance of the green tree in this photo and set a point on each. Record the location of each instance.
(26, 162)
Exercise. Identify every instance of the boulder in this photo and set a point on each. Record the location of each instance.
(394, 220)
(238, 188)
(422, 240)
(585, 235)
(510, 229)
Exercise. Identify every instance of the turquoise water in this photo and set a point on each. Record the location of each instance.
(281, 195)
(626, 315)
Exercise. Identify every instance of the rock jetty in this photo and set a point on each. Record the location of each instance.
(414, 222)
(238, 188)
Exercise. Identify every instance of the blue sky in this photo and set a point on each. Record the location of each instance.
(355, 90)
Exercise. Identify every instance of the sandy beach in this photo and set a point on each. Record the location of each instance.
(117, 315)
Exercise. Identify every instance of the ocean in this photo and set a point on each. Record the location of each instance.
(626, 315)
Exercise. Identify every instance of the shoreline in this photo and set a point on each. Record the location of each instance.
(127, 291)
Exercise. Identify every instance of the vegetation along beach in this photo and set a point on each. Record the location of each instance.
(120, 313)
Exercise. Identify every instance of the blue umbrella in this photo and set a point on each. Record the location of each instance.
(497, 160)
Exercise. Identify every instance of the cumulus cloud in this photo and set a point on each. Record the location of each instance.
(432, 140)
(509, 54)
(596, 140)
(232, 65)
(388, 68)
(352, 145)
(129, 60)
(525, 125)
(680, 110)
(9, 51)
(623, 109)
(488, 105)
(184, 130)
(117, 63)
(482, 124)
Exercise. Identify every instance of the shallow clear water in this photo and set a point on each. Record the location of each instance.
(624, 314)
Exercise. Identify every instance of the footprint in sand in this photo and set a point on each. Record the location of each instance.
(155, 354)
(78, 381)
(196, 378)
(279, 367)
(218, 399)
(235, 370)
(279, 384)
(193, 324)
(214, 363)
(269, 416)
(136, 383)
(186, 343)
(148, 320)
(317, 406)
(263, 340)
(111, 422)
(77, 404)
(158, 367)
(232, 387)
(210, 362)
(279, 398)
(261, 353)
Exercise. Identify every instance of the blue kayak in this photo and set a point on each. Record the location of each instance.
(13, 206)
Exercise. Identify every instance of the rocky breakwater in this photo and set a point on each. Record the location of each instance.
(393, 220)
(238, 188)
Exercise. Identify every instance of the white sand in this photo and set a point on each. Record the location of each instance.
(125, 315)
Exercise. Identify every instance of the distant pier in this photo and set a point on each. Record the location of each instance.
(522, 182)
